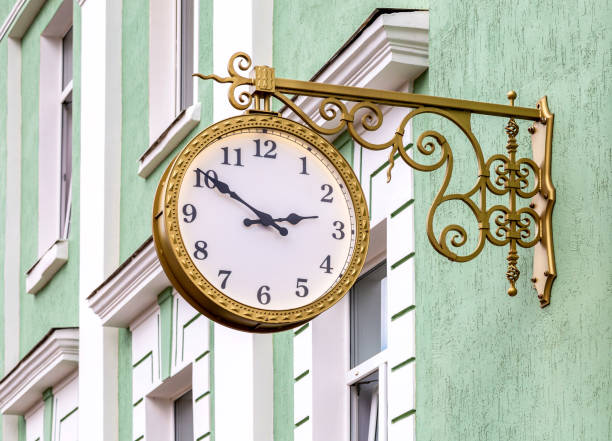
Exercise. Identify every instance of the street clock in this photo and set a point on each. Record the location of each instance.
(260, 223)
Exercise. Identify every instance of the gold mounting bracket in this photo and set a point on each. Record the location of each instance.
(504, 175)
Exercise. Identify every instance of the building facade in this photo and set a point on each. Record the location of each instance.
(96, 99)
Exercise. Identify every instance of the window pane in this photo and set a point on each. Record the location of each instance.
(186, 53)
(368, 315)
(183, 418)
(66, 167)
(67, 58)
(364, 402)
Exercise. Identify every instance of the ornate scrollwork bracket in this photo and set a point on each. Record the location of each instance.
(518, 179)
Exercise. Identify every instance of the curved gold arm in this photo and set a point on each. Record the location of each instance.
(355, 109)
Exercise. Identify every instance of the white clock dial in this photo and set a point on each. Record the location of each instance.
(266, 219)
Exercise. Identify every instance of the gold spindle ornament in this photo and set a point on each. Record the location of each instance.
(512, 184)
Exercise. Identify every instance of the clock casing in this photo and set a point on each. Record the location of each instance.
(260, 223)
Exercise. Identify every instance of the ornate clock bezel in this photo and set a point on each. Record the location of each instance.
(183, 273)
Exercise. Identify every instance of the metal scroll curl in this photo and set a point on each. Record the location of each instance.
(359, 112)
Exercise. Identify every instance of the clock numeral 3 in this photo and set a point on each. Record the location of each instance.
(328, 188)
(301, 285)
(263, 295)
(268, 154)
(209, 178)
(189, 210)
(339, 229)
(226, 157)
(200, 252)
(225, 273)
(303, 172)
(326, 265)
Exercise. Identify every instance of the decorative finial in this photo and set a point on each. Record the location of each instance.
(511, 96)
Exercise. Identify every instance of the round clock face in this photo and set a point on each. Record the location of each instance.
(270, 233)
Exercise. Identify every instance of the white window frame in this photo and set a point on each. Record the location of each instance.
(387, 53)
(52, 243)
(168, 123)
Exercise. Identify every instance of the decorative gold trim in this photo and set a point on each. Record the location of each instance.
(518, 179)
(198, 291)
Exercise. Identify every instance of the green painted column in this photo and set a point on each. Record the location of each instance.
(164, 300)
(48, 415)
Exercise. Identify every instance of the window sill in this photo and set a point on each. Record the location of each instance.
(45, 268)
(168, 140)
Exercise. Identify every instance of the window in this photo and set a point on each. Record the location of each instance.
(54, 148)
(173, 49)
(66, 137)
(368, 318)
(183, 418)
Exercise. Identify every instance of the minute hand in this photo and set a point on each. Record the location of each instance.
(265, 218)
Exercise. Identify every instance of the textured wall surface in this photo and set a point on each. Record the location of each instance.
(137, 200)
(57, 303)
(492, 367)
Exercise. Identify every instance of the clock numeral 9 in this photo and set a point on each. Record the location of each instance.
(190, 211)
(339, 229)
(226, 156)
(326, 265)
(200, 252)
(225, 273)
(209, 178)
(263, 295)
(301, 285)
(328, 188)
(268, 154)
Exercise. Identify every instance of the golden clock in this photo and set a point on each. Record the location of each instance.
(260, 223)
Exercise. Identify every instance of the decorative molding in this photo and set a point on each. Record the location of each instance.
(54, 358)
(387, 53)
(20, 18)
(131, 289)
(167, 141)
(45, 268)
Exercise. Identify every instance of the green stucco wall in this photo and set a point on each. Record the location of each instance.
(124, 384)
(283, 385)
(5, 8)
(56, 305)
(137, 203)
(491, 367)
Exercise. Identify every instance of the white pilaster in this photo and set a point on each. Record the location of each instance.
(243, 362)
(99, 211)
(13, 220)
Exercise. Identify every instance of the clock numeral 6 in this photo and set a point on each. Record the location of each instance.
(339, 229)
(326, 265)
(263, 295)
(268, 154)
(301, 285)
(225, 273)
(200, 252)
(189, 210)
(328, 188)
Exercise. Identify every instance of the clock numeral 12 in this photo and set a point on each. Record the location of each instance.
(226, 156)
(263, 295)
(268, 154)
(326, 265)
(301, 284)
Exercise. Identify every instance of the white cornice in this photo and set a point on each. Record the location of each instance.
(390, 52)
(131, 289)
(20, 18)
(55, 357)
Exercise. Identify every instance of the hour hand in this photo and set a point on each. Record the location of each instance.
(293, 219)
